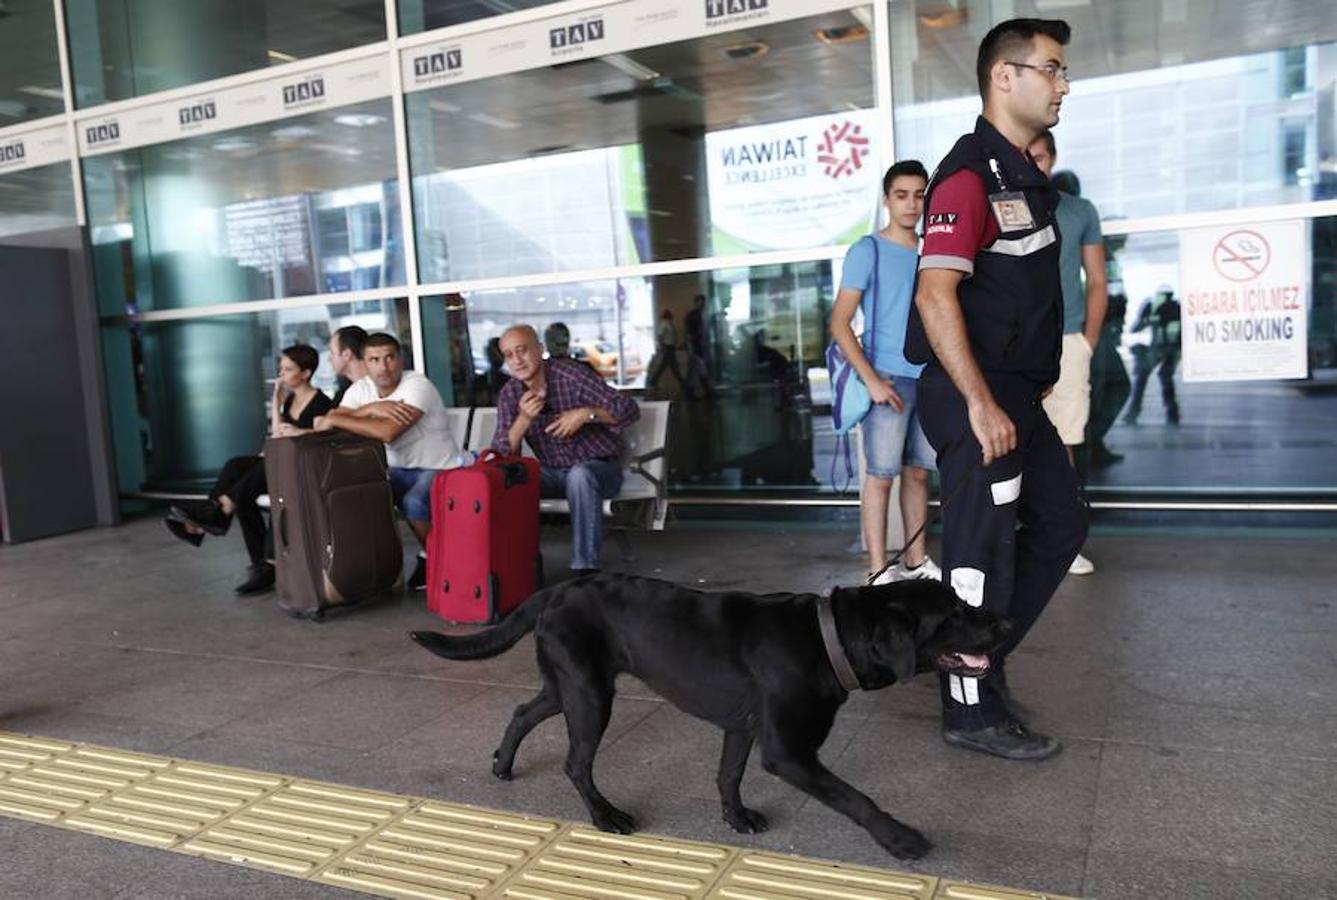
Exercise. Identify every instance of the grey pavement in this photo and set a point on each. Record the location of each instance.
(1190, 678)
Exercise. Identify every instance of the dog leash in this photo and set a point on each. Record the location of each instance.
(951, 495)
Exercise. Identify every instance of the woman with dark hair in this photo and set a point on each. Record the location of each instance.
(296, 404)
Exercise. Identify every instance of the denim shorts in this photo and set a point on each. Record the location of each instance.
(892, 439)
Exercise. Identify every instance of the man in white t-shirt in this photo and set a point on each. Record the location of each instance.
(404, 410)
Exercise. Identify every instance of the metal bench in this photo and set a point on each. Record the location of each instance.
(642, 502)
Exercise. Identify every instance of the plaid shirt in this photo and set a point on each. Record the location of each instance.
(571, 385)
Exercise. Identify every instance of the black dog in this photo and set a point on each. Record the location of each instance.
(756, 666)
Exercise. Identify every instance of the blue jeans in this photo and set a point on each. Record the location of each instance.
(585, 486)
(412, 490)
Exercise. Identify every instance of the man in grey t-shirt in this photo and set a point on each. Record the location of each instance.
(1083, 251)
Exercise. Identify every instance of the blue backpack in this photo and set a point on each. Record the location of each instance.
(849, 396)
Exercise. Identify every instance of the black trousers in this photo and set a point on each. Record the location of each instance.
(243, 479)
(1010, 529)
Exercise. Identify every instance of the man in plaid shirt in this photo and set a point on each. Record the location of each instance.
(572, 419)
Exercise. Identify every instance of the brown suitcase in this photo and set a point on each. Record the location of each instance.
(336, 542)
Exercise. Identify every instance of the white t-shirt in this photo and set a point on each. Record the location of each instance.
(427, 444)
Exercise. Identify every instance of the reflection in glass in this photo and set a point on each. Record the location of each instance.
(37, 199)
(29, 63)
(121, 49)
(1240, 120)
(424, 15)
(1220, 437)
(303, 206)
(746, 370)
(731, 143)
(187, 395)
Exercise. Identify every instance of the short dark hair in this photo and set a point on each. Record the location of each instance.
(303, 356)
(381, 339)
(351, 338)
(1048, 137)
(1067, 182)
(1009, 39)
(904, 167)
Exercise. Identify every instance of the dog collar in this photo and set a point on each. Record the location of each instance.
(826, 621)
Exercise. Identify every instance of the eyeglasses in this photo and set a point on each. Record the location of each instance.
(1048, 70)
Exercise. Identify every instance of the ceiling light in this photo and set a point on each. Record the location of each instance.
(48, 92)
(629, 66)
(841, 34)
(292, 132)
(233, 144)
(485, 119)
(951, 18)
(747, 50)
(1046, 6)
(280, 56)
(359, 120)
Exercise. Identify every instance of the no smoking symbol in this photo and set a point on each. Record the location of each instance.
(1241, 255)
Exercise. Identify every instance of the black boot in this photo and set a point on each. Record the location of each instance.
(258, 578)
(205, 513)
(178, 529)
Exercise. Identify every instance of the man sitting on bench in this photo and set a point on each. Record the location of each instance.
(572, 419)
(403, 409)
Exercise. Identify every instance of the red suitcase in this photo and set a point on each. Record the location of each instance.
(483, 553)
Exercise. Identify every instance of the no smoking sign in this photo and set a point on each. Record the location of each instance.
(1241, 255)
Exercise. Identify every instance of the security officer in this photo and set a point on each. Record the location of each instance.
(988, 321)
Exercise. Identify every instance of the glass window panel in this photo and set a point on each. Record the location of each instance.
(746, 370)
(187, 395)
(698, 148)
(37, 199)
(1231, 436)
(29, 62)
(121, 49)
(302, 206)
(1158, 121)
(424, 15)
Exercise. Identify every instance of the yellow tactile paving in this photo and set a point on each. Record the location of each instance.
(299, 828)
(53, 788)
(408, 847)
(765, 876)
(442, 850)
(174, 804)
(582, 864)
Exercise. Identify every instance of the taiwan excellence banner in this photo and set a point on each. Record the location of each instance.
(1245, 302)
(809, 182)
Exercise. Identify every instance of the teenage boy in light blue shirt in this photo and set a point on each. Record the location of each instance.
(894, 443)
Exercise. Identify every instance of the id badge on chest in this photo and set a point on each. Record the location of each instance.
(1012, 211)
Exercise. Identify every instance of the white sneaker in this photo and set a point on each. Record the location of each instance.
(1081, 566)
(928, 569)
(888, 575)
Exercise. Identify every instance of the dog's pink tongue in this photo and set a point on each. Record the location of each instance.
(974, 660)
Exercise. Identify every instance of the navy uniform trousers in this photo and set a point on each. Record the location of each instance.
(1010, 530)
